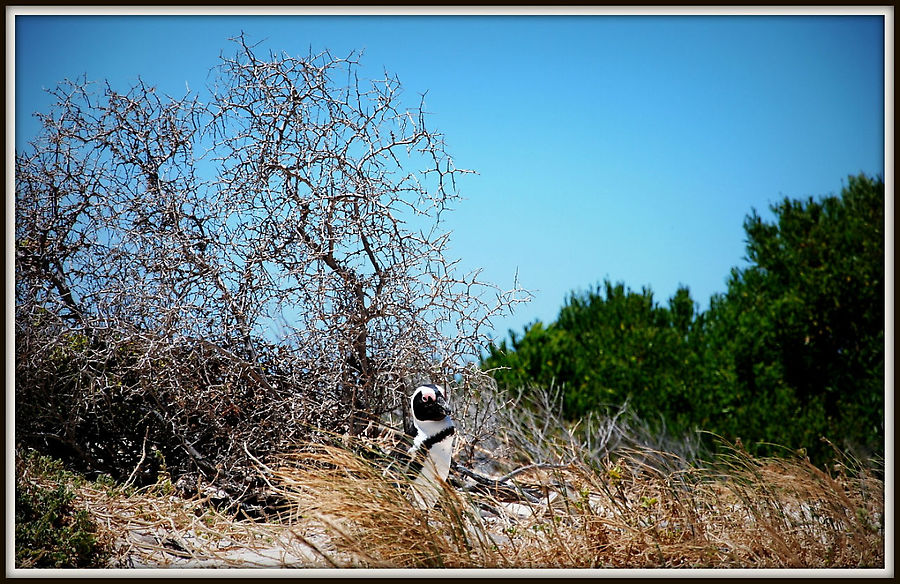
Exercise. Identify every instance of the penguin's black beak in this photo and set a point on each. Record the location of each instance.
(444, 406)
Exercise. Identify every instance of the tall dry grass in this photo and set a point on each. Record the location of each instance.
(638, 508)
(584, 496)
(371, 518)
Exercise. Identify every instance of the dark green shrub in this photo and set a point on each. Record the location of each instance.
(791, 353)
(50, 531)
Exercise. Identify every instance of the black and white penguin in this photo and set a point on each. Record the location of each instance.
(432, 449)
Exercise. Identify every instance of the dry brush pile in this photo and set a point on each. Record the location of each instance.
(233, 270)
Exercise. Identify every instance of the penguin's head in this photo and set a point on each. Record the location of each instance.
(429, 404)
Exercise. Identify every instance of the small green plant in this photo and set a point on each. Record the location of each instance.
(615, 474)
(50, 531)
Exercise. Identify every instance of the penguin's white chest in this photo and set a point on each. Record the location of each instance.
(435, 468)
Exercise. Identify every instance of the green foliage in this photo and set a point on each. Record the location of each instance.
(608, 346)
(792, 352)
(799, 335)
(50, 531)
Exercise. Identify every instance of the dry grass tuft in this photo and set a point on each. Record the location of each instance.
(788, 513)
(624, 513)
(371, 518)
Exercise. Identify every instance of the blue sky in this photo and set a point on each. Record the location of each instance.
(620, 147)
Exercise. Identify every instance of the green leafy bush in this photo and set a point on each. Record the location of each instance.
(50, 531)
(791, 353)
(795, 348)
(608, 346)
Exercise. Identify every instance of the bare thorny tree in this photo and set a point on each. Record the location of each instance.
(196, 281)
